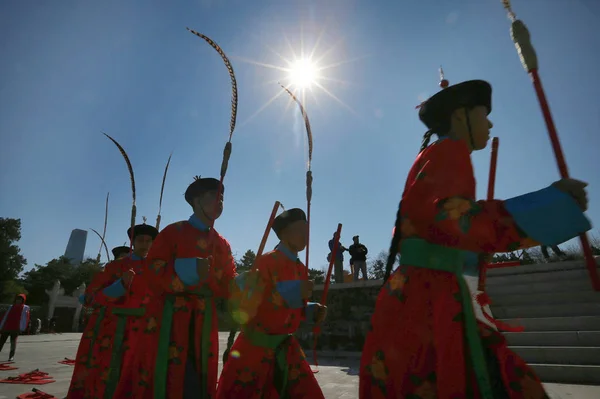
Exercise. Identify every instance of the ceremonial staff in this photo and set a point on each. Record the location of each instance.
(132, 179)
(102, 242)
(521, 38)
(162, 188)
(490, 197)
(234, 104)
(309, 171)
(317, 328)
(247, 284)
(482, 298)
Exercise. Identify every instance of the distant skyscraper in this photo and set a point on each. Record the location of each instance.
(76, 246)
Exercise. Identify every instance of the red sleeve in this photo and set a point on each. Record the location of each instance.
(438, 205)
(247, 300)
(223, 269)
(111, 273)
(160, 272)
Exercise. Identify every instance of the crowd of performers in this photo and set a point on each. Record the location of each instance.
(153, 331)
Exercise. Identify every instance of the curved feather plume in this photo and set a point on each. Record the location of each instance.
(101, 244)
(105, 223)
(306, 123)
(234, 92)
(309, 177)
(132, 178)
(162, 189)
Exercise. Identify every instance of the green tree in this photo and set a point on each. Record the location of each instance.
(246, 262)
(317, 275)
(9, 289)
(11, 260)
(84, 272)
(376, 268)
(41, 278)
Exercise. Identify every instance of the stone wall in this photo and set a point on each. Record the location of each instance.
(350, 307)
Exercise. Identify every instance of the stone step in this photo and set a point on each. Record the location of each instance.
(538, 324)
(559, 354)
(540, 267)
(546, 276)
(543, 287)
(554, 338)
(546, 310)
(567, 373)
(548, 298)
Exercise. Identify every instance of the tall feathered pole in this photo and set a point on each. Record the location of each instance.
(132, 178)
(234, 105)
(522, 40)
(309, 178)
(103, 232)
(102, 243)
(162, 189)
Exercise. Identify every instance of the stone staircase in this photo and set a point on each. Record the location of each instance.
(560, 312)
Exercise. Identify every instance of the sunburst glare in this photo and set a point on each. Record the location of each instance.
(303, 73)
(303, 70)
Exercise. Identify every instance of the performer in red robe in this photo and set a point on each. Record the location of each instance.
(13, 323)
(425, 341)
(189, 265)
(266, 360)
(116, 295)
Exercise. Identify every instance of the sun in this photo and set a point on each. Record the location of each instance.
(303, 73)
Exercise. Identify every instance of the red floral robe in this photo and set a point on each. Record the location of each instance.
(250, 370)
(93, 360)
(160, 368)
(418, 346)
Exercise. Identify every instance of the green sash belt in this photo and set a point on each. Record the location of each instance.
(279, 343)
(114, 371)
(420, 253)
(95, 332)
(162, 357)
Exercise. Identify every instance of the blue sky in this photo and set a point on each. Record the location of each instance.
(70, 69)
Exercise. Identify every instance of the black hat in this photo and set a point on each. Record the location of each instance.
(286, 218)
(435, 113)
(143, 229)
(200, 186)
(118, 251)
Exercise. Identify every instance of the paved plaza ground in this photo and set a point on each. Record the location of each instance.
(337, 377)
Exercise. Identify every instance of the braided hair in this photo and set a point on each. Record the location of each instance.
(426, 140)
(393, 252)
(230, 341)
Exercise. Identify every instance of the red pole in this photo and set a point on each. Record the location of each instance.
(490, 196)
(336, 244)
(265, 237)
(521, 38)
(317, 328)
(493, 163)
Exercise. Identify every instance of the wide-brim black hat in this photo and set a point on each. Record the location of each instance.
(435, 113)
(286, 218)
(118, 251)
(200, 186)
(143, 230)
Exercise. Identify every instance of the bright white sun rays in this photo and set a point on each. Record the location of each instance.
(302, 72)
